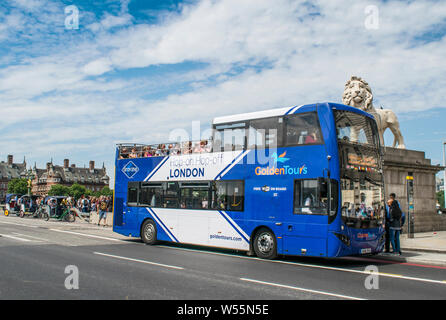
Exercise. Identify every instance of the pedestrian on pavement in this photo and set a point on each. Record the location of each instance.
(386, 232)
(103, 212)
(396, 219)
(85, 204)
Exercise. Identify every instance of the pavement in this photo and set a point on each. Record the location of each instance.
(424, 248)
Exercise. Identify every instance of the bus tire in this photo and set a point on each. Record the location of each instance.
(265, 244)
(149, 232)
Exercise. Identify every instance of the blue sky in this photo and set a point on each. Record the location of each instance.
(137, 69)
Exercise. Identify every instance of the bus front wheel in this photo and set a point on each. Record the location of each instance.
(265, 244)
(148, 232)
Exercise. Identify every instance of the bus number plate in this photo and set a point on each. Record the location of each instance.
(366, 250)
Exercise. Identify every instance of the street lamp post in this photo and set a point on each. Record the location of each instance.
(29, 176)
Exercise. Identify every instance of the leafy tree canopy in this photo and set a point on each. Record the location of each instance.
(19, 186)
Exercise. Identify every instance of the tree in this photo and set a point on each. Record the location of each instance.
(440, 198)
(77, 191)
(59, 190)
(19, 186)
(106, 191)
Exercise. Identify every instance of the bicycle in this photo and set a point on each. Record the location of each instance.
(42, 213)
(67, 215)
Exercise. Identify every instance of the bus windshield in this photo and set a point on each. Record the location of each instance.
(361, 180)
(355, 128)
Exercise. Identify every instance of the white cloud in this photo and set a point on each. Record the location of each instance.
(110, 21)
(28, 4)
(97, 67)
(255, 54)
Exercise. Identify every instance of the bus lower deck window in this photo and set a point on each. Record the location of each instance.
(310, 197)
(216, 195)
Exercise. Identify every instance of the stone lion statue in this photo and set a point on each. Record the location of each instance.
(358, 94)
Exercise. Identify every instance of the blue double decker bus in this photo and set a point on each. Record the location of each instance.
(305, 180)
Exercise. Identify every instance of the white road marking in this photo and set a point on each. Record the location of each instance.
(87, 235)
(19, 224)
(15, 238)
(28, 236)
(301, 289)
(397, 276)
(138, 260)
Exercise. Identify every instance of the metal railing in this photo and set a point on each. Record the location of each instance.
(134, 150)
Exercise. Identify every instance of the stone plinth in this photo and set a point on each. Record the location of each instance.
(400, 163)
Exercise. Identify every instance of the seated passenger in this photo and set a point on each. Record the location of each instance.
(203, 148)
(187, 148)
(124, 153)
(147, 152)
(207, 146)
(170, 150)
(134, 153)
(199, 147)
(196, 148)
(163, 150)
(175, 149)
(312, 137)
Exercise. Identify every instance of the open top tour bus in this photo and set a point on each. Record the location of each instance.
(305, 180)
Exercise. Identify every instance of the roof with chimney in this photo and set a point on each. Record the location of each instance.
(10, 170)
(72, 174)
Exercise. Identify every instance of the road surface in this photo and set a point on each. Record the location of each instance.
(36, 257)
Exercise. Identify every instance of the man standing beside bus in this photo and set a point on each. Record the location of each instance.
(396, 219)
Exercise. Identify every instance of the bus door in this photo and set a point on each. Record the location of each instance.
(305, 227)
(118, 212)
(129, 207)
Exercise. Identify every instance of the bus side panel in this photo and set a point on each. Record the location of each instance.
(295, 245)
(269, 198)
(335, 248)
(127, 170)
(200, 227)
(118, 218)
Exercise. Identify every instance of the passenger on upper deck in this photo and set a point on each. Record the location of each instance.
(173, 150)
(200, 147)
(124, 153)
(134, 153)
(161, 152)
(187, 148)
(312, 137)
(148, 152)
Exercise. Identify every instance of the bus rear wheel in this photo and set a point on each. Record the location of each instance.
(265, 244)
(148, 232)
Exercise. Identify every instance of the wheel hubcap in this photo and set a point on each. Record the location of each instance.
(149, 232)
(265, 243)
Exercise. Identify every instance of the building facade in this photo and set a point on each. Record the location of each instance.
(8, 171)
(94, 179)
